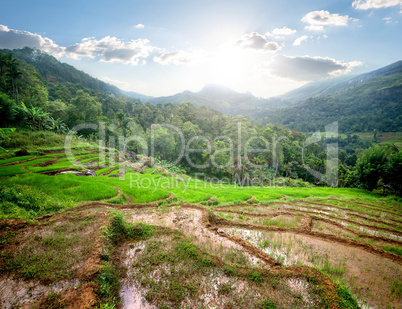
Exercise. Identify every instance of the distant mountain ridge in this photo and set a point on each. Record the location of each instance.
(222, 99)
(370, 101)
(334, 85)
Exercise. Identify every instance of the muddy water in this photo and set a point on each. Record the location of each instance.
(131, 295)
(15, 293)
(370, 277)
(188, 221)
(132, 298)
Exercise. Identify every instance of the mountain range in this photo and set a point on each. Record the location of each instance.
(367, 102)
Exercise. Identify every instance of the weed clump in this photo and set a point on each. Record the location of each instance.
(393, 249)
(269, 304)
(345, 299)
(396, 289)
(119, 230)
(255, 276)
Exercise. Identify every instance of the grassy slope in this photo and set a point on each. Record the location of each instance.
(152, 186)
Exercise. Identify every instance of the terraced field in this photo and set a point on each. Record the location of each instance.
(152, 239)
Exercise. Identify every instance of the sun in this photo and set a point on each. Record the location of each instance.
(230, 66)
(226, 65)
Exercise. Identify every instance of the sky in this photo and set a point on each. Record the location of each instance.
(161, 47)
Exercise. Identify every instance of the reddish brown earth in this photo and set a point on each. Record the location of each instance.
(207, 227)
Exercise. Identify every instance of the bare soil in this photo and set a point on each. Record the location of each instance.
(302, 236)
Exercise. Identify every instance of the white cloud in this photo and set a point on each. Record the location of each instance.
(257, 41)
(111, 49)
(307, 68)
(12, 39)
(176, 57)
(324, 18)
(139, 26)
(299, 40)
(375, 4)
(283, 31)
(107, 49)
(4, 28)
(314, 28)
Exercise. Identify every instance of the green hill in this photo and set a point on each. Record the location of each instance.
(368, 102)
(54, 71)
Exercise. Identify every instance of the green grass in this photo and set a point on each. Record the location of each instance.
(24, 202)
(106, 169)
(14, 159)
(346, 300)
(396, 250)
(41, 140)
(49, 257)
(396, 289)
(65, 189)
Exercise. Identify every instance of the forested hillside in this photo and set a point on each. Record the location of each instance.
(54, 71)
(368, 102)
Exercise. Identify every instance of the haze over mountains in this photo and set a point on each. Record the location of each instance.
(367, 102)
(370, 101)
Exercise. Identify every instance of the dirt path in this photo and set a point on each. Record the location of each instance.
(169, 198)
(210, 199)
(119, 193)
(250, 200)
(25, 168)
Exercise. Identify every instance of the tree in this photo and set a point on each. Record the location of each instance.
(87, 108)
(36, 118)
(372, 166)
(7, 112)
(394, 171)
(58, 109)
(3, 132)
(14, 74)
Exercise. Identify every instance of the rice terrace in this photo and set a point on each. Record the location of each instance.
(82, 242)
(223, 154)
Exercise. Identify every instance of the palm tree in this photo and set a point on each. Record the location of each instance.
(36, 117)
(59, 126)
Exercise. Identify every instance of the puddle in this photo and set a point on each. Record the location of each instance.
(131, 298)
(369, 277)
(15, 293)
(188, 221)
